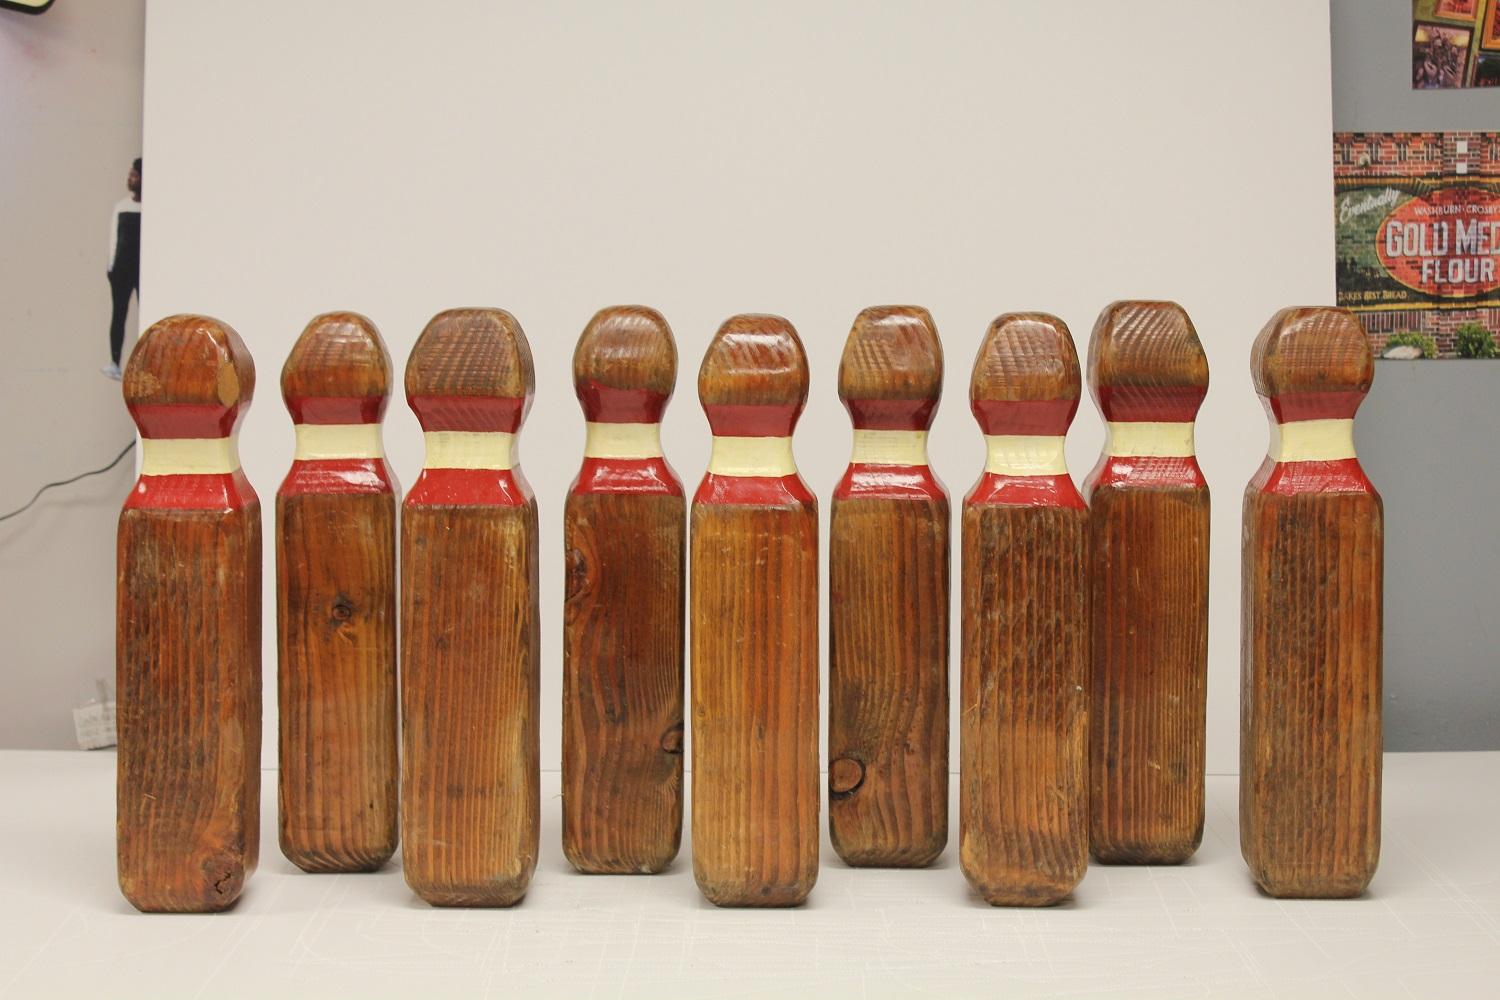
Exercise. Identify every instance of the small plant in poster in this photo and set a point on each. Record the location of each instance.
(1439, 56)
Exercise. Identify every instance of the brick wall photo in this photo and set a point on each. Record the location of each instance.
(1417, 218)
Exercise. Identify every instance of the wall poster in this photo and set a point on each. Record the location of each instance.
(1455, 43)
(1417, 218)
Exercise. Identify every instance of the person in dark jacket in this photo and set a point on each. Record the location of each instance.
(124, 265)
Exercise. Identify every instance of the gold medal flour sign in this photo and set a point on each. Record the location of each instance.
(1417, 217)
(1444, 245)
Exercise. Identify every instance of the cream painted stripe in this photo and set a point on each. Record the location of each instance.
(752, 456)
(889, 448)
(1150, 439)
(324, 441)
(1025, 455)
(622, 441)
(1312, 441)
(470, 450)
(189, 456)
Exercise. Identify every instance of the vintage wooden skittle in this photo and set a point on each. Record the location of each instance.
(1023, 795)
(754, 626)
(470, 782)
(888, 602)
(336, 604)
(188, 626)
(1310, 739)
(1148, 530)
(624, 538)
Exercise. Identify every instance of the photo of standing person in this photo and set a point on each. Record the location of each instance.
(124, 265)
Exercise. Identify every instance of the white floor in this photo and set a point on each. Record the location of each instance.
(1429, 927)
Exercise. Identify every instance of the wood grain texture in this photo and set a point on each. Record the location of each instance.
(1310, 739)
(888, 608)
(1023, 802)
(754, 637)
(624, 540)
(628, 348)
(336, 612)
(470, 803)
(1149, 533)
(188, 635)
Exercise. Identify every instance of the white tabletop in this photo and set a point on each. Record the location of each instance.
(1429, 926)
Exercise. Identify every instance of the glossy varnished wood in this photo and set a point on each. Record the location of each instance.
(754, 638)
(624, 539)
(1310, 741)
(1149, 530)
(188, 635)
(888, 606)
(470, 797)
(336, 612)
(1023, 806)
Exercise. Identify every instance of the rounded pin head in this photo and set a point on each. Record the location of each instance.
(464, 358)
(1025, 358)
(1315, 349)
(189, 376)
(338, 371)
(625, 364)
(892, 353)
(754, 361)
(1146, 363)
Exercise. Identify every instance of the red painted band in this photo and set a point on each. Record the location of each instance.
(185, 420)
(733, 420)
(1145, 472)
(1024, 417)
(1167, 404)
(336, 409)
(221, 491)
(891, 414)
(754, 491)
(482, 414)
(1295, 406)
(650, 476)
(604, 404)
(469, 488)
(337, 477)
(1297, 478)
(889, 482)
(1025, 491)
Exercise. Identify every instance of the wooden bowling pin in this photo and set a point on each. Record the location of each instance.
(1023, 796)
(888, 602)
(470, 796)
(187, 625)
(336, 603)
(1310, 696)
(755, 626)
(624, 536)
(1148, 531)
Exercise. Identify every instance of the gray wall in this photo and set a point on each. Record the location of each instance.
(70, 123)
(1427, 438)
(1372, 77)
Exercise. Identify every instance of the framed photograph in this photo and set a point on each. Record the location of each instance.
(1490, 37)
(1487, 72)
(1439, 56)
(1457, 10)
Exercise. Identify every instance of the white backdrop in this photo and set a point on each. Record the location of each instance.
(706, 159)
